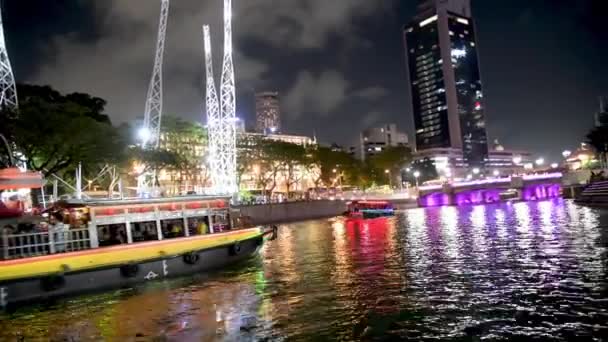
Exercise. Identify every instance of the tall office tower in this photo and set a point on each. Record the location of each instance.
(267, 112)
(447, 95)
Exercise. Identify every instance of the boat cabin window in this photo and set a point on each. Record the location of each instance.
(144, 231)
(112, 234)
(221, 222)
(198, 225)
(172, 229)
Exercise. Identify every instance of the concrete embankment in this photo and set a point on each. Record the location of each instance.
(292, 211)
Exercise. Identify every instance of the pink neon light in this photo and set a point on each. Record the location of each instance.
(543, 176)
(430, 187)
(483, 181)
(554, 175)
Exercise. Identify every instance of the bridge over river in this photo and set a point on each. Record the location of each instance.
(524, 187)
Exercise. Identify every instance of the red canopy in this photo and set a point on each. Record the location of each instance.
(13, 178)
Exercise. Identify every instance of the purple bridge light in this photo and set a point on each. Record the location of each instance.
(463, 193)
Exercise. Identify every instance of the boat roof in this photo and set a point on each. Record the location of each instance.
(14, 178)
(137, 201)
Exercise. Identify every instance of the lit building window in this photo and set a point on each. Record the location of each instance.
(428, 21)
(462, 21)
(459, 53)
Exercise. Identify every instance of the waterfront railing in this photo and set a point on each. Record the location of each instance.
(25, 245)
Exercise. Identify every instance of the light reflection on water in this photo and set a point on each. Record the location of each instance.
(503, 271)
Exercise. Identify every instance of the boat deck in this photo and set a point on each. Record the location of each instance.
(118, 255)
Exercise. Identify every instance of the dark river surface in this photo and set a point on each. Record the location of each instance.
(526, 271)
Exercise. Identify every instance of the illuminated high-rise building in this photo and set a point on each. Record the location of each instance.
(267, 112)
(447, 94)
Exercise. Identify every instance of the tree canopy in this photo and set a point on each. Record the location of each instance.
(598, 138)
(54, 133)
(386, 166)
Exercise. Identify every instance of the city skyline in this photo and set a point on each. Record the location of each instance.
(359, 83)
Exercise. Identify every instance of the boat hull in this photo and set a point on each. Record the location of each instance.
(60, 284)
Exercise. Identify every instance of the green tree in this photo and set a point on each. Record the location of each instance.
(598, 138)
(92, 106)
(427, 170)
(292, 160)
(188, 142)
(56, 136)
(388, 164)
(248, 154)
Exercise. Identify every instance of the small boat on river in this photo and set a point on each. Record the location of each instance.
(369, 209)
(92, 245)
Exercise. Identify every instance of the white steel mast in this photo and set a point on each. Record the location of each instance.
(154, 101)
(150, 132)
(213, 111)
(8, 90)
(227, 136)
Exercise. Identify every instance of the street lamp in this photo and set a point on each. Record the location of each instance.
(554, 165)
(390, 180)
(566, 154)
(476, 171)
(416, 175)
(144, 134)
(540, 161)
(496, 173)
(517, 160)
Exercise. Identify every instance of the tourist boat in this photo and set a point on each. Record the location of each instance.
(369, 209)
(595, 194)
(107, 244)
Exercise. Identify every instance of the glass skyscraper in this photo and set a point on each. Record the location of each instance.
(447, 95)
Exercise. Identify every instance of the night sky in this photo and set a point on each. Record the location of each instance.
(338, 65)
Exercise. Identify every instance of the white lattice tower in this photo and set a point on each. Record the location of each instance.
(8, 90)
(213, 110)
(154, 100)
(227, 136)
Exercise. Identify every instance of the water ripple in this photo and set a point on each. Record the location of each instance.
(527, 271)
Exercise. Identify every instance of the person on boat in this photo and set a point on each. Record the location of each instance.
(137, 234)
(59, 230)
(201, 228)
(122, 237)
(176, 230)
(104, 237)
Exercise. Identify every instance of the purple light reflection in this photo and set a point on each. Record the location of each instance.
(541, 192)
(436, 199)
(483, 196)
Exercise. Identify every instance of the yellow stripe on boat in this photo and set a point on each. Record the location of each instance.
(117, 255)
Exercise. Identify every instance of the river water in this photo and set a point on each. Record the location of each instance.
(525, 271)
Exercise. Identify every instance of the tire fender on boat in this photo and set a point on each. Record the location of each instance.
(235, 249)
(52, 283)
(191, 258)
(129, 271)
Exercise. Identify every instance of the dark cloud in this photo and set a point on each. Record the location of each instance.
(338, 65)
(372, 93)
